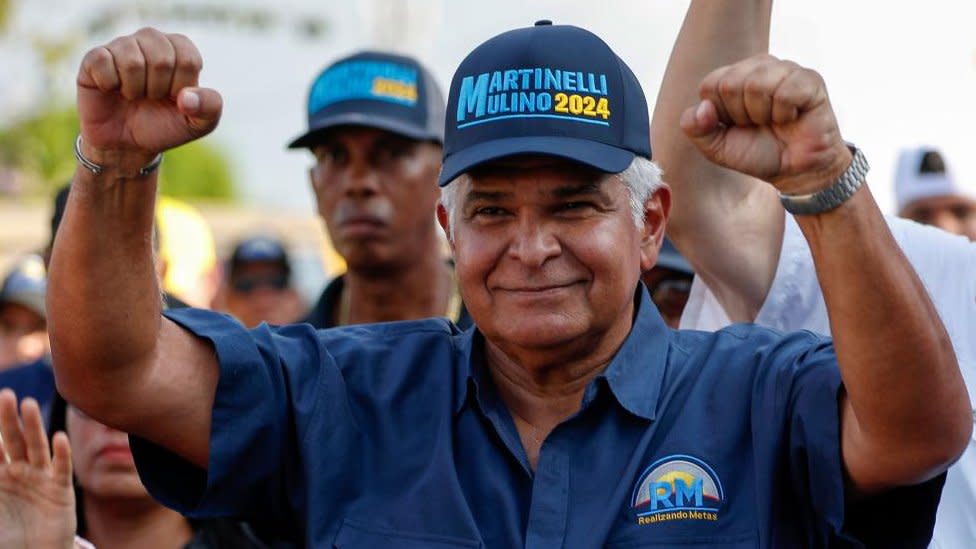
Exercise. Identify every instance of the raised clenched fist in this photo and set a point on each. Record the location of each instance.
(770, 119)
(138, 95)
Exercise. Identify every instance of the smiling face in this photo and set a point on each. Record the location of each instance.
(548, 255)
(376, 191)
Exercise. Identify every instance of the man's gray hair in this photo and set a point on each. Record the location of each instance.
(642, 178)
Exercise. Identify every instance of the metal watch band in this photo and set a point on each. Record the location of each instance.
(97, 170)
(833, 196)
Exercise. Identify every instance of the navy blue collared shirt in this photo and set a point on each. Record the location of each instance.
(33, 379)
(393, 435)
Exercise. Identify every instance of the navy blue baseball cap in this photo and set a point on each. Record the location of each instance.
(549, 89)
(377, 90)
(263, 248)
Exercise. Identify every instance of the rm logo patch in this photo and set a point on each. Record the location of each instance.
(677, 487)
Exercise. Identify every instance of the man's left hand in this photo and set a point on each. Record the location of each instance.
(770, 119)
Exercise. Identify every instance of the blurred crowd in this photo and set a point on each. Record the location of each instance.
(374, 176)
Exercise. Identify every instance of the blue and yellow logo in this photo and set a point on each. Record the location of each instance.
(360, 79)
(677, 487)
(533, 92)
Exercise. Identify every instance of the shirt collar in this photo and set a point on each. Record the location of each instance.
(634, 375)
(470, 349)
(636, 372)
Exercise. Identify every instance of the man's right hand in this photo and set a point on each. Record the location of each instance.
(138, 96)
(125, 365)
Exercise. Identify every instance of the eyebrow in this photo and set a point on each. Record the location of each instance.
(583, 189)
(487, 196)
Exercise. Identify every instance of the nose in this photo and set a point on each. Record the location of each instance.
(534, 243)
(360, 179)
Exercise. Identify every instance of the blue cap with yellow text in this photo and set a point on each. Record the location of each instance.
(377, 90)
(549, 89)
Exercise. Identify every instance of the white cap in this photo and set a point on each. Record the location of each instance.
(922, 173)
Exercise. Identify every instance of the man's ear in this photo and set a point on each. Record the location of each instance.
(656, 210)
(444, 221)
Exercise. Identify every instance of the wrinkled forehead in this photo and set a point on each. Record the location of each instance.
(354, 134)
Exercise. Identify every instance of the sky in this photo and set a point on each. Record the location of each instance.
(899, 73)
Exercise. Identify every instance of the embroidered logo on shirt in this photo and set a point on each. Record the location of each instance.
(677, 487)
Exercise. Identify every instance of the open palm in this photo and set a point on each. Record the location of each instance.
(37, 501)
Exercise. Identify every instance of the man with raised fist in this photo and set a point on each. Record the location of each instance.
(570, 416)
(753, 262)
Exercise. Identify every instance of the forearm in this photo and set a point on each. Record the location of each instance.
(907, 412)
(713, 34)
(115, 357)
(711, 202)
(103, 287)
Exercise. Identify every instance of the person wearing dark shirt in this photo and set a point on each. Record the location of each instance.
(33, 379)
(669, 283)
(569, 415)
(257, 285)
(23, 319)
(375, 130)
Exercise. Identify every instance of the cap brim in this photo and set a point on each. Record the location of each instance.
(600, 156)
(394, 125)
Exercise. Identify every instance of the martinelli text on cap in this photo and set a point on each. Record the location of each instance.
(533, 93)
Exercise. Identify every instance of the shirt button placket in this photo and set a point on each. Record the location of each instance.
(550, 498)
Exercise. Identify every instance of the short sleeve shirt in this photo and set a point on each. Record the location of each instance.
(393, 435)
(946, 265)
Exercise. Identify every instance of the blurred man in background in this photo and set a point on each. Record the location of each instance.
(23, 322)
(25, 364)
(753, 264)
(669, 283)
(926, 192)
(375, 127)
(257, 286)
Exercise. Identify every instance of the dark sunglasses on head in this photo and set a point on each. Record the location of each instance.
(247, 284)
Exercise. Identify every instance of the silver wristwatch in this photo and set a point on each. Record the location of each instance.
(833, 196)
